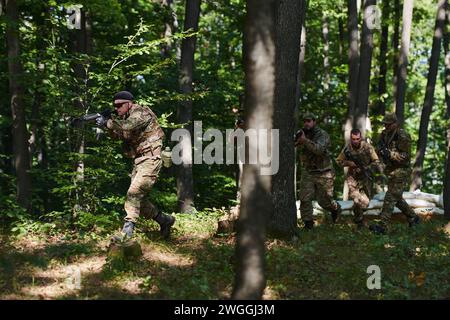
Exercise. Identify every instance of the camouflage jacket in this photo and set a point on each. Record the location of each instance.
(365, 154)
(139, 129)
(399, 145)
(314, 153)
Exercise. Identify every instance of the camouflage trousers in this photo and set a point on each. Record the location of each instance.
(359, 192)
(319, 186)
(143, 177)
(397, 181)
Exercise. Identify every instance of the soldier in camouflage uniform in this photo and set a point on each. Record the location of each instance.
(138, 127)
(359, 173)
(395, 150)
(318, 173)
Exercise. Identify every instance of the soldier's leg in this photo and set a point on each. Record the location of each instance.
(306, 196)
(393, 195)
(324, 190)
(360, 201)
(407, 211)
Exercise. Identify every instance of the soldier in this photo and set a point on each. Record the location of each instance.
(138, 127)
(394, 150)
(361, 158)
(318, 173)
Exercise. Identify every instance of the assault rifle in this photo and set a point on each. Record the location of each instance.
(384, 151)
(298, 134)
(366, 171)
(91, 117)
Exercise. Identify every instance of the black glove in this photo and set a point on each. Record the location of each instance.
(101, 121)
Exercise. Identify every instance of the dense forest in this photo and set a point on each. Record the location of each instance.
(349, 62)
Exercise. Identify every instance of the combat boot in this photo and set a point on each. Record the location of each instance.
(309, 225)
(127, 232)
(165, 222)
(377, 229)
(414, 221)
(336, 214)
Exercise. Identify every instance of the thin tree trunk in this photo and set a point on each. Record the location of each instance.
(365, 65)
(170, 26)
(403, 61)
(259, 64)
(429, 96)
(288, 33)
(326, 59)
(19, 129)
(185, 180)
(382, 59)
(341, 38)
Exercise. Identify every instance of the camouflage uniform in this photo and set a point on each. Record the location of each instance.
(318, 174)
(142, 137)
(359, 184)
(398, 172)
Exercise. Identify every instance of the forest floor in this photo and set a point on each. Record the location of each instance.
(328, 263)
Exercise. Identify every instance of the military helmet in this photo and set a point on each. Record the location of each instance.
(309, 115)
(389, 118)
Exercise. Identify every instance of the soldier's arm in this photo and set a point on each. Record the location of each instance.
(135, 122)
(340, 160)
(318, 147)
(375, 162)
(401, 153)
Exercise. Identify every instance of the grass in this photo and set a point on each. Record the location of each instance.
(328, 263)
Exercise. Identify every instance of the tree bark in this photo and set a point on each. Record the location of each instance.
(429, 97)
(259, 65)
(326, 58)
(446, 186)
(382, 59)
(19, 130)
(170, 26)
(364, 70)
(185, 180)
(395, 44)
(353, 65)
(288, 32)
(403, 61)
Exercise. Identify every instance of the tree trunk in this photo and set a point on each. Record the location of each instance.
(403, 61)
(364, 70)
(185, 181)
(259, 64)
(382, 60)
(326, 59)
(19, 130)
(341, 38)
(395, 44)
(170, 26)
(429, 96)
(288, 33)
(446, 186)
(353, 65)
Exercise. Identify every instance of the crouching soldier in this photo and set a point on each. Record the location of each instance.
(361, 159)
(138, 127)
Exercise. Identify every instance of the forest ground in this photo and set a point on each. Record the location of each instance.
(328, 263)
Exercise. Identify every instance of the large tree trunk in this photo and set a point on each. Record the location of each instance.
(395, 44)
(353, 65)
(365, 64)
(382, 60)
(256, 206)
(403, 61)
(185, 180)
(446, 186)
(288, 32)
(19, 129)
(429, 96)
